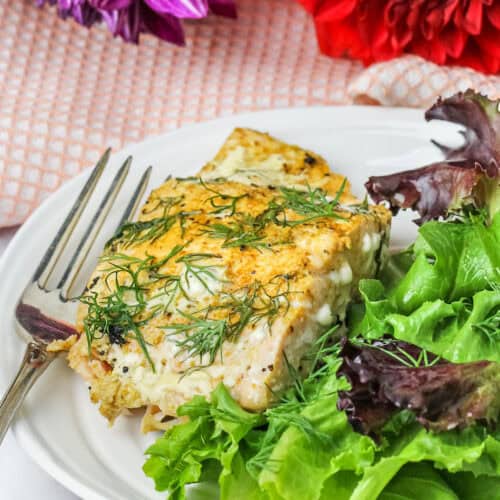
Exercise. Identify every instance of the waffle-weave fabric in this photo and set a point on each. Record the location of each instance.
(66, 92)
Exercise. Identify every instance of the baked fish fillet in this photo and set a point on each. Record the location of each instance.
(230, 276)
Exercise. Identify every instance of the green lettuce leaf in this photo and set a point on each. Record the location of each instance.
(357, 469)
(473, 449)
(339, 486)
(449, 300)
(312, 466)
(469, 487)
(452, 261)
(418, 481)
(240, 483)
(459, 332)
(300, 464)
(212, 432)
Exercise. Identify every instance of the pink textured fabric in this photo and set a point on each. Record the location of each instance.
(66, 92)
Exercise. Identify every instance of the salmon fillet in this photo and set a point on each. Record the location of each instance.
(230, 276)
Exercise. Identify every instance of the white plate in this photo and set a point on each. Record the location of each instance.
(58, 426)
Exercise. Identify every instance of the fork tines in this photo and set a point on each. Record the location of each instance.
(60, 241)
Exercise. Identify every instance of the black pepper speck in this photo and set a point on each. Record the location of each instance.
(310, 160)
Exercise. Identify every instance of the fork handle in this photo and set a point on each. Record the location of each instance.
(35, 361)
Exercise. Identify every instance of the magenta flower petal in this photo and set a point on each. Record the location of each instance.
(183, 9)
(80, 10)
(129, 18)
(226, 8)
(110, 4)
(125, 23)
(164, 26)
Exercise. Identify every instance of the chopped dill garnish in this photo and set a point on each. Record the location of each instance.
(125, 309)
(424, 358)
(246, 230)
(204, 332)
(166, 203)
(191, 178)
(201, 335)
(120, 313)
(303, 391)
(490, 327)
(358, 208)
(183, 216)
(194, 268)
(141, 231)
(222, 202)
(313, 203)
(148, 230)
(243, 232)
(116, 315)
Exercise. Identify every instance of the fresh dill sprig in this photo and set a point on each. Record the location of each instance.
(204, 332)
(402, 356)
(120, 312)
(243, 232)
(303, 391)
(194, 268)
(183, 217)
(115, 317)
(141, 231)
(148, 230)
(358, 208)
(246, 230)
(191, 178)
(166, 203)
(200, 336)
(312, 203)
(325, 348)
(490, 327)
(222, 202)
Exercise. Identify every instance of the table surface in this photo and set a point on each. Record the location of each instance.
(20, 477)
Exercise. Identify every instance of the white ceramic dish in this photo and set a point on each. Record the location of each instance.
(58, 426)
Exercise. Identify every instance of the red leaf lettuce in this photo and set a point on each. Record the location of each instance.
(389, 375)
(468, 176)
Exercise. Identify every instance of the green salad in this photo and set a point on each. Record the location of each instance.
(402, 401)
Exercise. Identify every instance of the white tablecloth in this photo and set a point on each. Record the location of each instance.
(20, 478)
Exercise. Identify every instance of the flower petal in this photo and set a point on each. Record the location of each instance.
(164, 26)
(472, 21)
(183, 9)
(454, 41)
(494, 15)
(125, 23)
(110, 4)
(336, 10)
(225, 8)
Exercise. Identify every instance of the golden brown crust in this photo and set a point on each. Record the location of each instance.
(62, 345)
(304, 167)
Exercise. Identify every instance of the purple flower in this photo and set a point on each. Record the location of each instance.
(80, 10)
(129, 18)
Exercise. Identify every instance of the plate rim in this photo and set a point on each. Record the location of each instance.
(21, 428)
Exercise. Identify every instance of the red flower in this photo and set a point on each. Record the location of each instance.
(461, 32)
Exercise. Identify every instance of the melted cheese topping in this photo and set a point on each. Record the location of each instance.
(270, 171)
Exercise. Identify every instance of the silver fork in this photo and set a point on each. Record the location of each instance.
(42, 314)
